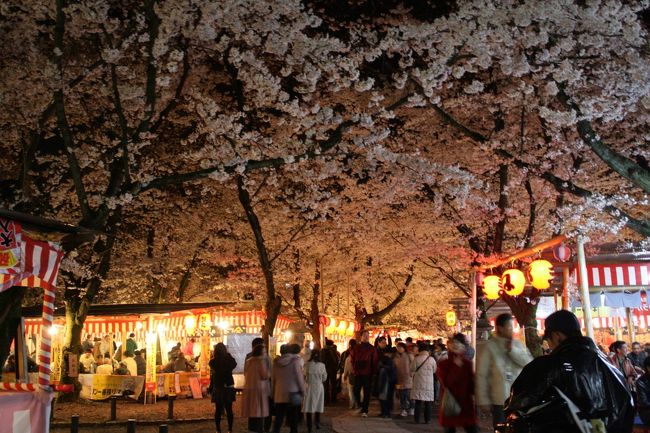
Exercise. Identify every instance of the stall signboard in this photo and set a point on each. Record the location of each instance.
(10, 238)
(103, 386)
(205, 355)
(57, 358)
(174, 383)
(150, 362)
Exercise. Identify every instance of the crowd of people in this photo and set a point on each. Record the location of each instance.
(573, 383)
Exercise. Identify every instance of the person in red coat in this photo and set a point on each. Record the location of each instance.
(456, 376)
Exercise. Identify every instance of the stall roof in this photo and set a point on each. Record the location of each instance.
(131, 309)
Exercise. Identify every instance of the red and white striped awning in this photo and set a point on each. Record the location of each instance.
(628, 275)
(40, 267)
(173, 324)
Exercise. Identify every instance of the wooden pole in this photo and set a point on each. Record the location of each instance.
(472, 309)
(630, 324)
(525, 253)
(584, 288)
(565, 288)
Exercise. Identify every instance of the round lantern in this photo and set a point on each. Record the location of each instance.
(562, 252)
(541, 274)
(491, 287)
(190, 323)
(513, 282)
(451, 318)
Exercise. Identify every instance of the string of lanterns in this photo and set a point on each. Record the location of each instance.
(513, 281)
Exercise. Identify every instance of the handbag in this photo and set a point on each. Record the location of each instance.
(450, 406)
(295, 399)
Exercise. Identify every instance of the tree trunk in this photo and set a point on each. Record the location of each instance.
(314, 312)
(273, 303)
(525, 311)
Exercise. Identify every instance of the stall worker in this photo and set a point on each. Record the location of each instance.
(87, 361)
(131, 345)
(104, 365)
(140, 362)
(130, 363)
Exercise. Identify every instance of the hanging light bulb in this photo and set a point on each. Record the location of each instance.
(513, 282)
(541, 274)
(491, 287)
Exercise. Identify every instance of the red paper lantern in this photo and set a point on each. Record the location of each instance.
(562, 252)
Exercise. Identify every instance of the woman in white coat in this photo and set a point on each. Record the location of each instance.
(422, 393)
(315, 375)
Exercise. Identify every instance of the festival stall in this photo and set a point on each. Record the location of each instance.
(24, 261)
(338, 329)
(157, 331)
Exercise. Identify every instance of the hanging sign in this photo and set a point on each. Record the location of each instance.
(451, 318)
(205, 322)
(73, 365)
(10, 238)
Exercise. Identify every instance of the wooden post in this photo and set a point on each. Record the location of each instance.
(584, 288)
(74, 424)
(565, 288)
(113, 408)
(170, 406)
(630, 324)
(472, 308)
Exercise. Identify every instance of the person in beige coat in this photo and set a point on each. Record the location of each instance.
(403, 360)
(288, 387)
(255, 401)
(500, 361)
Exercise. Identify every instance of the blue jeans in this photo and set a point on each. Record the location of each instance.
(404, 399)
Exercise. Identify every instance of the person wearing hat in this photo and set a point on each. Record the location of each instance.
(574, 369)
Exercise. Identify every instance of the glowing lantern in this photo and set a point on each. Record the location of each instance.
(491, 287)
(541, 274)
(342, 327)
(451, 318)
(190, 323)
(562, 252)
(513, 282)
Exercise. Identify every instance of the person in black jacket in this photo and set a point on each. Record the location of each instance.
(643, 393)
(574, 372)
(222, 384)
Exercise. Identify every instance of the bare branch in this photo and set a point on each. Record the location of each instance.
(291, 239)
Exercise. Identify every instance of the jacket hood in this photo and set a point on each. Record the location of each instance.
(286, 359)
(576, 343)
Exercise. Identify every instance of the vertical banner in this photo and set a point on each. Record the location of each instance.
(205, 354)
(57, 356)
(73, 365)
(150, 374)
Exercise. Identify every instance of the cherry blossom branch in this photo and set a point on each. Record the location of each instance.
(532, 213)
(291, 239)
(62, 121)
(561, 185)
(448, 275)
(378, 315)
(177, 93)
(630, 170)
(150, 89)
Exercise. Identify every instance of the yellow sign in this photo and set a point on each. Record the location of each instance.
(151, 342)
(205, 322)
(205, 355)
(102, 386)
(451, 318)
